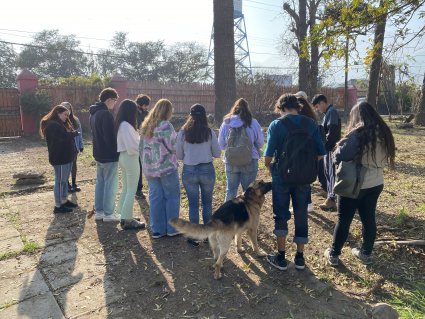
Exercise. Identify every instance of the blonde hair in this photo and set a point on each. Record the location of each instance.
(161, 112)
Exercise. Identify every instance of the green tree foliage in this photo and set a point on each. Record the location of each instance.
(7, 65)
(184, 62)
(53, 55)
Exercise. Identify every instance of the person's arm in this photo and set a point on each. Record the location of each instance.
(79, 138)
(268, 162)
(347, 149)
(215, 148)
(271, 146)
(259, 137)
(169, 138)
(317, 138)
(108, 131)
(222, 134)
(180, 145)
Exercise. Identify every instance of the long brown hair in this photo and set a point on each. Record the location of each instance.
(53, 115)
(306, 109)
(370, 127)
(242, 109)
(162, 111)
(196, 129)
(72, 118)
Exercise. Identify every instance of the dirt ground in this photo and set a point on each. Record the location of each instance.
(73, 267)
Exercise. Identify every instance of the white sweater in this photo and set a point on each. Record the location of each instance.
(128, 139)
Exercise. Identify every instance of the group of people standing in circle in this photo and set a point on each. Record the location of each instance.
(145, 142)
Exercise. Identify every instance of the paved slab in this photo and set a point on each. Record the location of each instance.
(89, 296)
(60, 253)
(10, 245)
(39, 307)
(73, 271)
(21, 287)
(8, 231)
(12, 267)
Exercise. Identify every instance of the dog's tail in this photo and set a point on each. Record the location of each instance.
(195, 231)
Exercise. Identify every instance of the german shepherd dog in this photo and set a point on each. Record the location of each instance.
(232, 218)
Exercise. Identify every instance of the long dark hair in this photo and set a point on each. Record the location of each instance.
(241, 108)
(306, 109)
(53, 116)
(370, 127)
(287, 101)
(196, 129)
(126, 113)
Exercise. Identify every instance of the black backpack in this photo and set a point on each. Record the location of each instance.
(298, 162)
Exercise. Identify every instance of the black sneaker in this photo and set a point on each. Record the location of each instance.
(277, 261)
(140, 195)
(71, 189)
(62, 209)
(193, 242)
(128, 224)
(76, 188)
(70, 204)
(299, 261)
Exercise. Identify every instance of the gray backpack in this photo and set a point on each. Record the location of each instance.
(239, 147)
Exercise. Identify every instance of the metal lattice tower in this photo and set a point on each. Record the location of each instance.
(242, 56)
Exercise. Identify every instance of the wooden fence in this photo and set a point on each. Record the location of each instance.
(10, 116)
(182, 95)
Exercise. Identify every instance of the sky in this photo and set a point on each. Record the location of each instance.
(94, 22)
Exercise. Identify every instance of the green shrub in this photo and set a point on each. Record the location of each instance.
(36, 103)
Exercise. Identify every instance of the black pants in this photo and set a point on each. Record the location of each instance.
(74, 170)
(366, 206)
(140, 183)
(321, 175)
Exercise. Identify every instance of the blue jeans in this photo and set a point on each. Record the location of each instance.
(130, 169)
(195, 177)
(236, 175)
(281, 197)
(106, 187)
(60, 190)
(164, 202)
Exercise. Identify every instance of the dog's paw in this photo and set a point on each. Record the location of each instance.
(217, 274)
(241, 250)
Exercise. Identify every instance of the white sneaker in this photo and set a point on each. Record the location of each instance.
(112, 218)
(310, 208)
(99, 216)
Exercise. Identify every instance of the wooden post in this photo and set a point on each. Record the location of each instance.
(27, 82)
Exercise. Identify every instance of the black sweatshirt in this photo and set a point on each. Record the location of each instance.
(104, 139)
(60, 143)
(332, 126)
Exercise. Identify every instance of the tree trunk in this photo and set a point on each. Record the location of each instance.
(420, 115)
(224, 58)
(302, 62)
(314, 51)
(375, 67)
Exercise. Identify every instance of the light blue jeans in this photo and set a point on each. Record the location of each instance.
(106, 187)
(243, 175)
(130, 170)
(195, 178)
(60, 190)
(164, 202)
